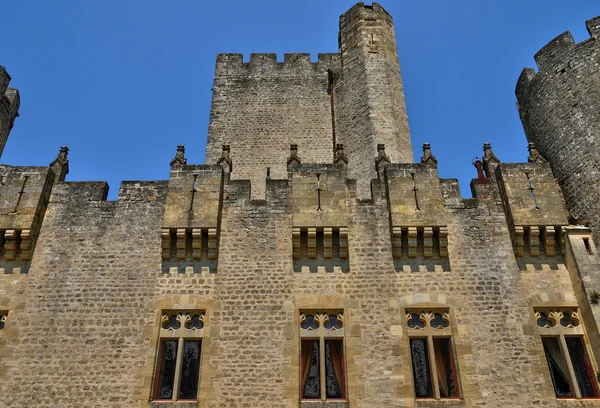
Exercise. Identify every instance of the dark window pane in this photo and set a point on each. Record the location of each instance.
(567, 319)
(190, 370)
(543, 321)
(309, 323)
(557, 367)
(581, 366)
(444, 364)
(333, 323)
(166, 369)
(195, 323)
(172, 323)
(421, 370)
(334, 368)
(311, 370)
(438, 321)
(415, 321)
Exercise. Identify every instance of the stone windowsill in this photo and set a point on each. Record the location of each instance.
(324, 404)
(173, 404)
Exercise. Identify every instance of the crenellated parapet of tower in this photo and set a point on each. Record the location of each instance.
(354, 97)
(9, 107)
(558, 107)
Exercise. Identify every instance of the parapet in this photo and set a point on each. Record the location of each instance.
(558, 52)
(267, 64)
(365, 12)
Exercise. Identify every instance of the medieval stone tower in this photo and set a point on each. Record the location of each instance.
(354, 98)
(310, 263)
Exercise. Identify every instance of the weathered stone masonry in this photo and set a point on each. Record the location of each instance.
(84, 281)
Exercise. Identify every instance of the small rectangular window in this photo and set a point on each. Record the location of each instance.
(588, 247)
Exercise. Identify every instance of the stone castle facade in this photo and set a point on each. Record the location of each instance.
(311, 262)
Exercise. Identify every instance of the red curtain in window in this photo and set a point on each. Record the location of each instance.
(307, 354)
(337, 358)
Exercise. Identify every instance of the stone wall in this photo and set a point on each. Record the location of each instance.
(83, 313)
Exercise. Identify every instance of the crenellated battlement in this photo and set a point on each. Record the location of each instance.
(560, 54)
(268, 64)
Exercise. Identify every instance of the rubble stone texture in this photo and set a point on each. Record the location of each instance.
(346, 222)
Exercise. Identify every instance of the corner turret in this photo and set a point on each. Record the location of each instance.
(558, 107)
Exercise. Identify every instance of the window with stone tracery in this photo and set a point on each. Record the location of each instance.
(322, 368)
(563, 338)
(177, 373)
(432, 354)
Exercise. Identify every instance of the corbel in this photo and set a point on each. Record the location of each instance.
(443, 242)
(344, 242)
(212, 244)
(549, 242)
(327, 243)
(10, 245)
(296, 246)
(412, 242)
(165, 235)
(427, 242)
(181, 253)
(312, 243)
(397, 242)
(534, 241)
(197, 243)
(519, 241)
(26, 244)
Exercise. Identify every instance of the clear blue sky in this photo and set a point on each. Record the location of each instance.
(123, 82)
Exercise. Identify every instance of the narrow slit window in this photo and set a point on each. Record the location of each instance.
(588, 247)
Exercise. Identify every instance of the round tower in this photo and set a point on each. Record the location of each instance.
(369, 97)
(559, 107)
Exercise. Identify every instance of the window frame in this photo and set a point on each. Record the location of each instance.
(322, 334)
(426, 316)
(181, 334)
(554, 315)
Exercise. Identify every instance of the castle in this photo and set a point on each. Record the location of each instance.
(311, 262)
